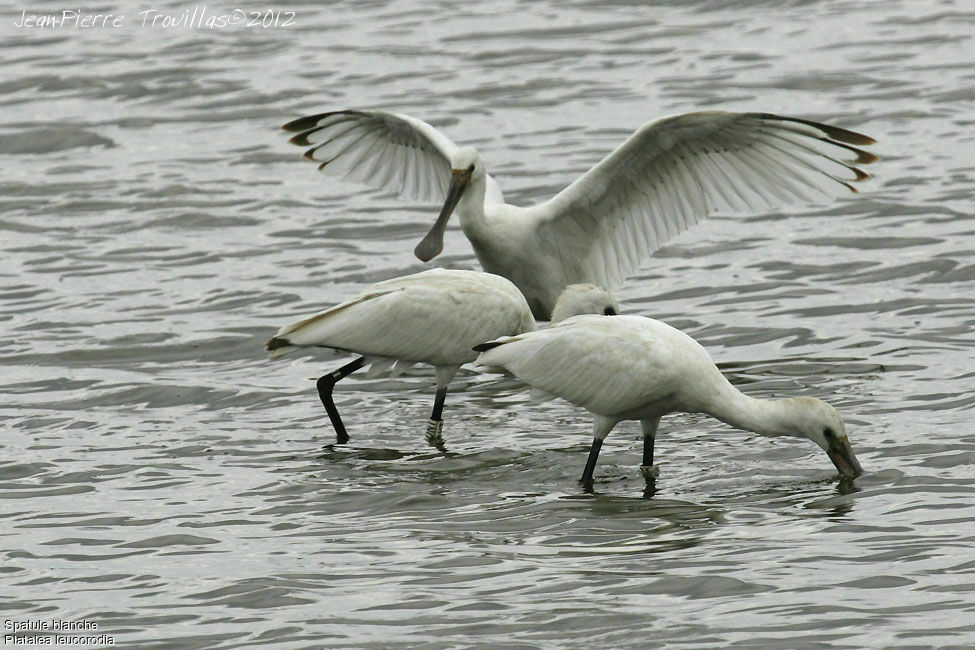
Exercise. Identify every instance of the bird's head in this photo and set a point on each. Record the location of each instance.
(466, 170)
(814, 419)
(578, 299)
(466, 160)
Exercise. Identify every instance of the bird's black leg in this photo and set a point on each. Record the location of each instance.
(326, 383)
(648, 450)
(648, 469)
(435, 425)
(597, 444)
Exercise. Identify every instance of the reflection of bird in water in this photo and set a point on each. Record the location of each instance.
(667, 176)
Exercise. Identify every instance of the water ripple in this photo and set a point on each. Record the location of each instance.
(162, 479)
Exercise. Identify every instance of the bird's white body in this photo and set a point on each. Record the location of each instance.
(432, 317)
(667, 176)
(619, 368)
(635, 368)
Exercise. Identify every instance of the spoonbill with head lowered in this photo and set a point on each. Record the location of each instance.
(667, 176)
(434, 317)
(636, 368)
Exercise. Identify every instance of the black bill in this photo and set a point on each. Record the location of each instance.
(841, 453)
(432, 244)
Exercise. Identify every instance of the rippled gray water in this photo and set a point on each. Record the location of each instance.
(161, 479)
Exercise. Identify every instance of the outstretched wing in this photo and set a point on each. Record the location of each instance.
(675, 171)
(386, 151)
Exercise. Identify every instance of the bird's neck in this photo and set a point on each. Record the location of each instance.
(477, 225)
(471, 204)
(763, 416)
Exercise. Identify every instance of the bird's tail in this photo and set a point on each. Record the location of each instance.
(277, 346)
(483, 347)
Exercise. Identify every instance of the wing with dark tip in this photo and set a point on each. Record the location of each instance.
(673, 172)
(386, 151)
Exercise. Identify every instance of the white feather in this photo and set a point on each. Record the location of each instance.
(634, 368)
(669, 175)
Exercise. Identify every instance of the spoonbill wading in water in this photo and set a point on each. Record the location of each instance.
(636, 368)
(434, 317)
(664, 178)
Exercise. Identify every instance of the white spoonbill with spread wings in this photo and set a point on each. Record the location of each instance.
(667, 176)
(636, 368)
(434, 317)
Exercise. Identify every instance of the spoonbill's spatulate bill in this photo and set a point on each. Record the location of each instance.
(636, 368)
(433, 317)
(667, 176)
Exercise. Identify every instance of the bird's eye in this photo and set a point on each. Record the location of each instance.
(609, 311)
(470, 170)
(829, 433)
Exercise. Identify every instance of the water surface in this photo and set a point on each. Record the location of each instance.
(160, 478)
